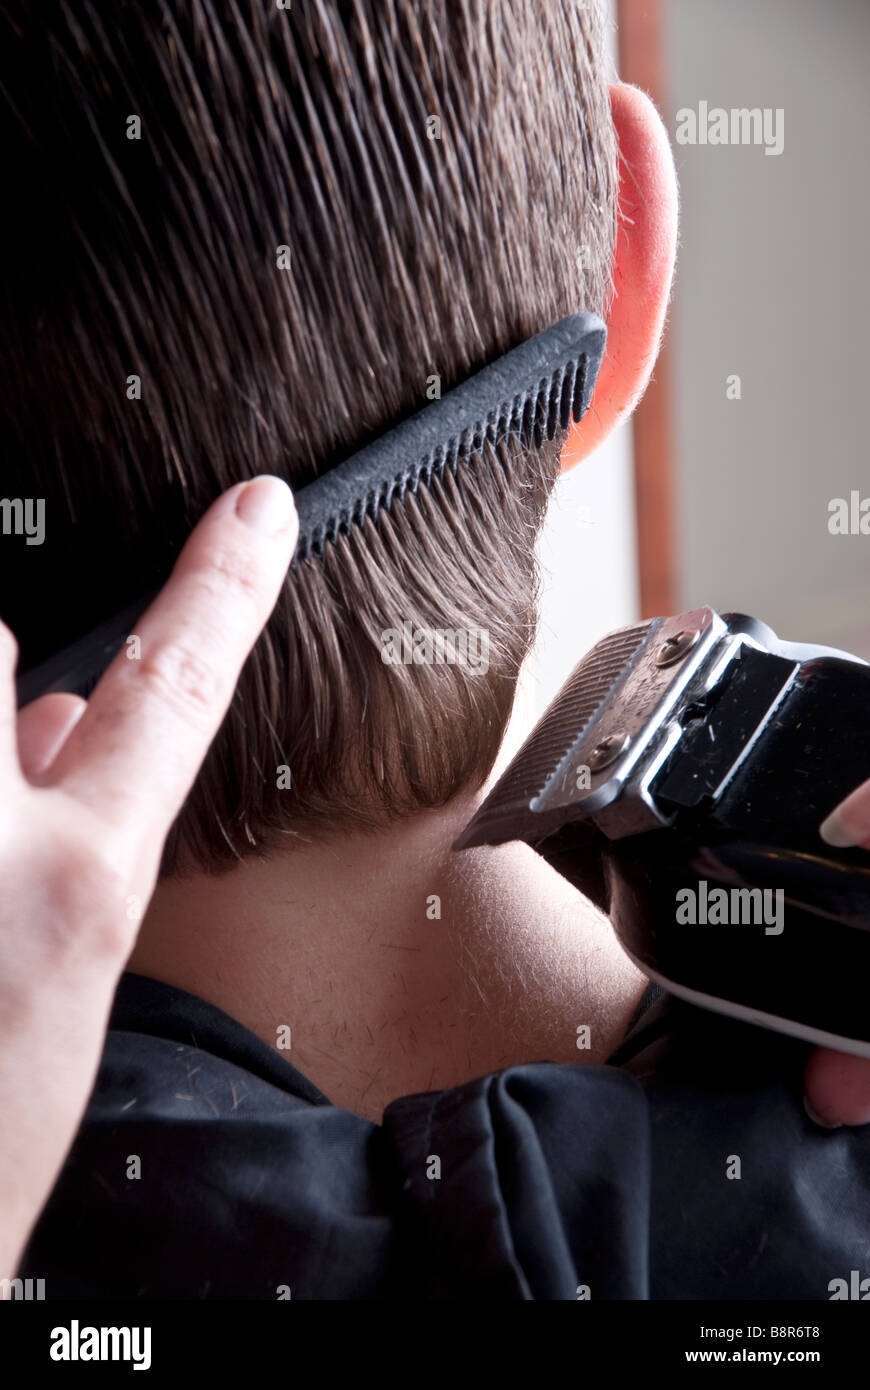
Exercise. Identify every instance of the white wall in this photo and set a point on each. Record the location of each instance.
(773, 285)
(588, 556)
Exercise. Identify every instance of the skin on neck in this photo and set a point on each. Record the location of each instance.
(338, 939)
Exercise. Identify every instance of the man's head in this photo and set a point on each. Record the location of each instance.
(245, 240)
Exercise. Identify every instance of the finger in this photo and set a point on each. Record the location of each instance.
(837, 1088)
(136, 751)
(43, 726)
(849, 823)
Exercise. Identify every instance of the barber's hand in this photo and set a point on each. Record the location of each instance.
(88, 791)
(837, 1085)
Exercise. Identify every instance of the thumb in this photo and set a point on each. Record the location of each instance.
(837, 1088)
(849, 823)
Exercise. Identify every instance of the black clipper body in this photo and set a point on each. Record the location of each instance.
(679, 780)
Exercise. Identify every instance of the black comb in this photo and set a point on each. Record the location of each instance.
(532, 392)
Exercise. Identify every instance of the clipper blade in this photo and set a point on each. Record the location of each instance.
(549, 756)
(607, 729)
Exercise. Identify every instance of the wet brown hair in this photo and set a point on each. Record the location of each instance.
(410, 257)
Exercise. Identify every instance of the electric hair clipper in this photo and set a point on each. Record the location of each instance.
(679, 780)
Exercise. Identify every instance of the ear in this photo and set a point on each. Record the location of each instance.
(643, 267)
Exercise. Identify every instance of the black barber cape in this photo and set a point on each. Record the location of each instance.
(685, 1168)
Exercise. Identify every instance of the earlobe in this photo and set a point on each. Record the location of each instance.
(643, 269)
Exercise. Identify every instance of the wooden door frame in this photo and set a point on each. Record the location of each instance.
(641, 61)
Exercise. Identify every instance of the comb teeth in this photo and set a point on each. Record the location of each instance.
(529, 394)
(531, 417)
(509, 804)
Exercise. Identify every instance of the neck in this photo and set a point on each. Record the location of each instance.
(399, 965)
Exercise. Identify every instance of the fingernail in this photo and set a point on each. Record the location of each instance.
(834, 831)
(266, 505)
(817, 1119)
